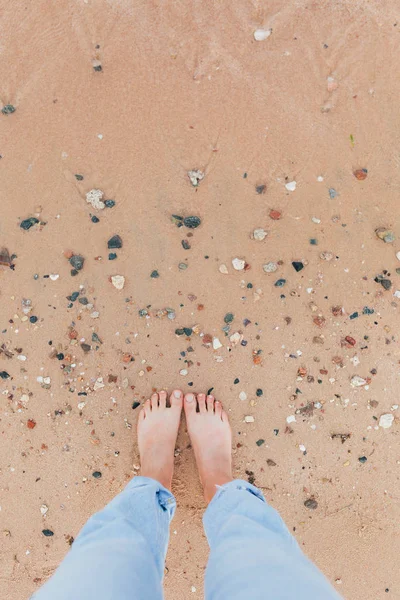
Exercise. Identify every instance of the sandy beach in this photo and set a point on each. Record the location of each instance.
(201, 195)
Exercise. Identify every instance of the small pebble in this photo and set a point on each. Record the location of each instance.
(195, 177)
(28, 223)
(77, 261)
(155, 274)
(298, 266)
(238, 264)
(291, 186)
(280, 282)
(386, 421)
(97, 474)
(112, 256)
(260, 35)
(270, 267)
(114, 242)
(311, 503)
(118, 281)
(259, 234)
(8, 109)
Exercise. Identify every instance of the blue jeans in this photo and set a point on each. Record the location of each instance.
(120, 552)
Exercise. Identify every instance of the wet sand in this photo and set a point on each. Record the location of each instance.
(131, 98)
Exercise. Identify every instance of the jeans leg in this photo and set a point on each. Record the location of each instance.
(120, 552)
(253, 554)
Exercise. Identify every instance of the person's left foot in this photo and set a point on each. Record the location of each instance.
(158, 426)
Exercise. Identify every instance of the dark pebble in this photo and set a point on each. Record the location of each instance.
(192, 222)
(73, 296)
(386, 284)
(313, 241)
(33, 319)
(48, 532)
(77, 261)
(280, 283)
(368, 311)
(60, 356)
(86, 347)
(185, 245)
(311, 503)
(236, 380)
(28, 223)
(109, 203)
(96, 339)
(96, 474)
(154, 274)
(332, 193)
(8, 109)
(112, 256)
(4, 375)
(95, 219)
(363, 459)
(298, 266)
(249, 286)
(98, 68)
(261, 189)
(228, 318)
(114, 242)
(259, 392)
(78, 177)
(260, 442)
(83, 300)
(135, 405)
(354, 315)
(178, 331)
(187, 331)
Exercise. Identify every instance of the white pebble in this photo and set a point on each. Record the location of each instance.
(302, 448)
(398, 255)
(320, 178)
(397, 294)
(260, 234)
(54, 276)
(81, 405)
(95, 198)
(291, 419)
(118, 281)
(238, 264)
(357, 381)
(183, 372)
(223, 269)
(386, 421)
(262, 34)
(291, 186)
(243, 396)
(315, 220)
(270, 267)
(44, 509)
(249, 419)
(21, 357)
(216, 343)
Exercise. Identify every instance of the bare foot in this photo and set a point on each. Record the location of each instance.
(157, 432)
(211, 438)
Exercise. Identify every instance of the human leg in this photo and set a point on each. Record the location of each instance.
(252, 554)
(120, 552)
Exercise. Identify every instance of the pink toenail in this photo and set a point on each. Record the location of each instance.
(189, 398)
(177, 394)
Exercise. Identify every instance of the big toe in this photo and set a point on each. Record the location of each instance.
(176, 399)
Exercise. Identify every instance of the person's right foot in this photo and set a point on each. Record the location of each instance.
(211, 437)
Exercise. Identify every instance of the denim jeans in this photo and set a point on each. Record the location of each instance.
(120, 552)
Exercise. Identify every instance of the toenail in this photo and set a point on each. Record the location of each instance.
(177, 394)
(189, 398)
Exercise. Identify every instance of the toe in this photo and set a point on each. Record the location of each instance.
(201, 400)
(162, 399)
(224, 417)
(190, 404)
(210, 404)
(176, 398)
(142, 415)
(218, 408)
(154, 401)
(147, 408)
